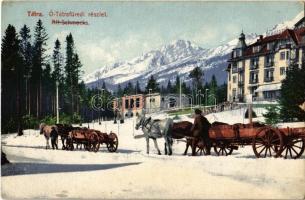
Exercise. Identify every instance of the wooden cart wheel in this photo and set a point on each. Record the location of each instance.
(113, 142)
(268, 142)
(202, 148)
(222, 149)
(94, 143)
(293, 147)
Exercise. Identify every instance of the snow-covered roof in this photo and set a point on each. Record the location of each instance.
(270, 87)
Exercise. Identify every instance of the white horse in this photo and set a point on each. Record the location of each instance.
(156, 129)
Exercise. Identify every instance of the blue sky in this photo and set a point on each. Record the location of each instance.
(132, 28)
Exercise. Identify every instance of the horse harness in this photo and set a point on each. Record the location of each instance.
(147, 122)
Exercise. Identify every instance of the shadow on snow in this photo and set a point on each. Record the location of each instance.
(41, 168)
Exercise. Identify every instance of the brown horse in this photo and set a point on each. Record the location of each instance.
(183, 130)
(46, 131)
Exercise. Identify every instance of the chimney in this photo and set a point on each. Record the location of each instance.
(261, 37)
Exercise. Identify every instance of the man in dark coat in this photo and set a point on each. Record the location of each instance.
(200, 129)
(54, 136)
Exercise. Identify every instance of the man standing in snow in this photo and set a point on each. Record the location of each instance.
(200, 129)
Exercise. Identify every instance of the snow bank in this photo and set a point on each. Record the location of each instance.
(131, 173)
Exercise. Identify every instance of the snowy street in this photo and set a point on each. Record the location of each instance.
(131, 173)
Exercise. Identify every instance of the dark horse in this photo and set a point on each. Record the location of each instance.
(63, 132)
(183, 129)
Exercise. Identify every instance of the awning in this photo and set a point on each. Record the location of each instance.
(270, 87)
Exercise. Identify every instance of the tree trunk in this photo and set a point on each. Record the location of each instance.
(19, 120)
(29, 101)
(40, 97)
(37, 102)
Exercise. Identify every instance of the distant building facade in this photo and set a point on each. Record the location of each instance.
(130, 105)
(256, 71)
(153, 102)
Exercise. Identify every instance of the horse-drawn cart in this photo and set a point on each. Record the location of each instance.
(266, 141)
(92, 139)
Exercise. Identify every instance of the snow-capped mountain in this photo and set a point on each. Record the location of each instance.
(176, 58)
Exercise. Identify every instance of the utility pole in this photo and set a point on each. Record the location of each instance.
(57, 104)
(206, 96)
(149, 91)
(180, 94)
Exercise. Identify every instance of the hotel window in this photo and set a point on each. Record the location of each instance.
(268, 75)
(287, 55)
(238, 52)
(137, 102)
(282, 55)
(269, 60)
(253, 77)
(234, 79)
(152, 99)
(254, 63)
(256, 49)
(131, 103)
(282, 70)
(234, 54)
(270, 46)
(126, 103)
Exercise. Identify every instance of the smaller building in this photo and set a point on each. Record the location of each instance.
(130, 105)
(172, 101)
(153, 102)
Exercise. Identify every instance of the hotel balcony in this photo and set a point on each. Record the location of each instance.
(285, 46)
(269, 64)
(253, 81)
(254, 66)
(268, 79)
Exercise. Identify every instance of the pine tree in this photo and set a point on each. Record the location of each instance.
(212, 93)
(12, 75)
(57, 59)
(169, 88)
(197, 76)
(48, 86)
(177, 85)
(119, 91)
(69, 71)
(272, 115)
(129, 89)
(76, 75)
(26, 51)
(152, 85)
(138, 88)
(39, 60)
(293, 93)
(222, 93)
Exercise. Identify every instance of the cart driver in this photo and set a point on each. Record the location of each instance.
(200, 129)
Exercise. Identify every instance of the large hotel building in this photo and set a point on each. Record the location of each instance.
(255, 71)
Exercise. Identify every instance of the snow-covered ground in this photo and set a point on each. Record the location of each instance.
(130, 173)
